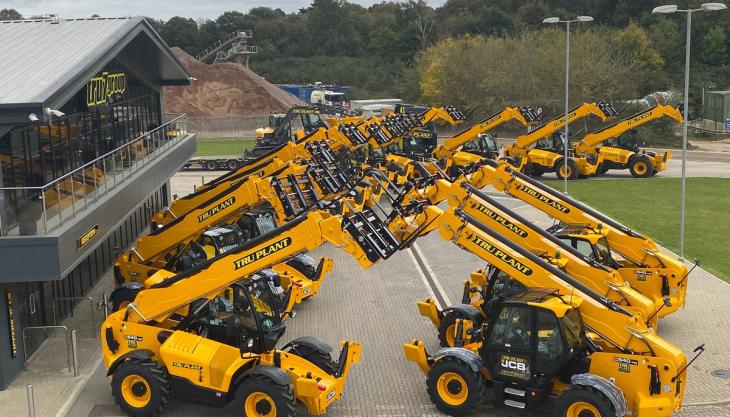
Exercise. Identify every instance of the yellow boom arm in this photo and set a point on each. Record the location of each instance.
(590, 141)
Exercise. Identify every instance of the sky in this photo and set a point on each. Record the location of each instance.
(159, 9)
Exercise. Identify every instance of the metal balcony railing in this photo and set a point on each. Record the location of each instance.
(41, 210)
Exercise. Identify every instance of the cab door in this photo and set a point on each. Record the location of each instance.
(508, 348)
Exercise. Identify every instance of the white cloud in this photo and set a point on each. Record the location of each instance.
(156, 8)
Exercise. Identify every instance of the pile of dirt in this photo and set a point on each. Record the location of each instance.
(226, 89)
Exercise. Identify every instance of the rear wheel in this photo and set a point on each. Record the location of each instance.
(259, 396)
(232, 164)
(210, 165)
(581, 401)
(571, 171)
(641, 167)
(141, 388)
(454, 387)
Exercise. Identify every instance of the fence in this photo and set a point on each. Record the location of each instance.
(226, 127)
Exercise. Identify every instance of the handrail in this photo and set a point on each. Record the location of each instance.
(97, 159)
(66, 196)
(44, 328)
(209, 51)
(91, 305)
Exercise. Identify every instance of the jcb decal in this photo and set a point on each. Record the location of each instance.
(499, 253)
(562, 119)
(543, 198)
(490, 121)
(217, 209)
(639, 118)
(501, 220)
(101, 89)
(514, 367)
(187, 366)
(262, 253)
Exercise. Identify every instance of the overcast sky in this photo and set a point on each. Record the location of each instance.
(157, 8)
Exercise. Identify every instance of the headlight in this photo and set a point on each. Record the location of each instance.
(249, 343)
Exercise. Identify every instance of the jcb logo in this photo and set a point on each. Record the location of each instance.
(519, 366)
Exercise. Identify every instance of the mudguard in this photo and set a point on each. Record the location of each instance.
(467, 356)
(606, 387)
(311, 342)
(277, 375)
(470, 312)
(141, 354)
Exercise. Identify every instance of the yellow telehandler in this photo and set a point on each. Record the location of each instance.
(615, 151)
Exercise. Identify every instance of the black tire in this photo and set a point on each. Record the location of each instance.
(121, 297)
(446, 328)
(572, 169)
(582, 401)
(232, 164)
(261, 394)
(210, 165)
(454, 387)
(535, 171)
(141, 388)
(640, 167)
(322, 360)
(602, 169)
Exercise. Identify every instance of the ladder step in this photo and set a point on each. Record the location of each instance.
(514, 391)
(515, 404)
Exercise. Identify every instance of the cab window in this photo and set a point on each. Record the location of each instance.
(512, 328)
(573, 327)
(550, 348)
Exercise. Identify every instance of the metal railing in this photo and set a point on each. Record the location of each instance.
(69, 353)
(91, 309)
(208, 52)
(40, 210)
(226, 127)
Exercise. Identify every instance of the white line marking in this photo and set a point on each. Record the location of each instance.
(423, 279)
(436, 281)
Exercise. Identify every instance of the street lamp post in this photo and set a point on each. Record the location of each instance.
(566, 144)
(671, 8)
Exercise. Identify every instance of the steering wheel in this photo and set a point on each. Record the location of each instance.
(519, 336)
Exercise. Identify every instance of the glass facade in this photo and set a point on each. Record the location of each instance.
(114, 108)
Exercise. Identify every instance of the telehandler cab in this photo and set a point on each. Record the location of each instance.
(548, 154)
(615, 151)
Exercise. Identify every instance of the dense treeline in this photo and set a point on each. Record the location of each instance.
(475, 53)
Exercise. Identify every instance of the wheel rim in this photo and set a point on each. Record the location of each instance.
(452, 388)
(640, 168)
(136, 391)
(563, 171)
(582, 409)
(259, 404)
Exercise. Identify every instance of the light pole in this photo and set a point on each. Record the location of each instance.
(671, 8)
(566, 144)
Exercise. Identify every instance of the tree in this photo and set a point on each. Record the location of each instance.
(183, 33)
(10, 14)
(714, 48)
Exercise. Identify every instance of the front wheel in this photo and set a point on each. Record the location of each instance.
(259, 396)
(582, 401)
(447, 328)
(141, 388)
(641, 167)
(454, 387)
(570, 171)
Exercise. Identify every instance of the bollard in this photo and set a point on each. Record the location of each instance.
(106, 305)
(31, 401)
(74, 352)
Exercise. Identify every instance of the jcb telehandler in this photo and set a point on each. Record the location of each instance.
(649, 269)
(459, 153)
(615, 151)
(548, 153)
(209, 334)
(588, 271)
(564, 341)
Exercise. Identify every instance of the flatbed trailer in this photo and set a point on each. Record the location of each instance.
(215, 163)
